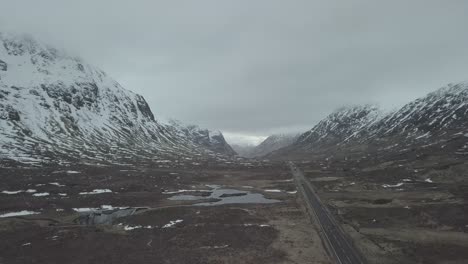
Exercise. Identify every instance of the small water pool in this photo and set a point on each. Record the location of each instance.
(225, 196)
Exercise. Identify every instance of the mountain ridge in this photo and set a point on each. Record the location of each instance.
(432, 120)
(55, 106)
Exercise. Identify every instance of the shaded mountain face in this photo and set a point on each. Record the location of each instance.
(272, 143)
(243, 150)
(212, 140)
(54, 106)
(437, 122)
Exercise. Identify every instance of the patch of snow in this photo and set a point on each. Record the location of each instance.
(96, 191)
(392, 186)
(26, 244)
(262, 225)
(31, 190)
(84, 209)
(428, 180)
(12, 192)
(56, 184)
(62, 194)
(110, 207)
(273, 190)
(72, 172)
(292, 192)
(182, 191)
(20, 213)
(172, 223)
(41, 194)
(129, 228)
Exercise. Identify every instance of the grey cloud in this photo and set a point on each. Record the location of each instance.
(257, 67)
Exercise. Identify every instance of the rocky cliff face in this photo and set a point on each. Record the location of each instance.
(54, 106)
(212, 140)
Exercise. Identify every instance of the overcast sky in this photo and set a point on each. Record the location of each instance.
(255, 67)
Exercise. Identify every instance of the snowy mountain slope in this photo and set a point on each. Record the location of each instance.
(243, 150)
(446, 108)
(340, 126)
(212, 140)
(54, 105)
(438, 121)
(272, 143)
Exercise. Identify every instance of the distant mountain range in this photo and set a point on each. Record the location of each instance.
(437, 122)
(270, 144)
(56, 107)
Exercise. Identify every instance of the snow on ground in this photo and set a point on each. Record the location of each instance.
(72, 172)
(110, 207)
(129, 228)
(84, 209)
(182, 191)
(263, 225)
(12, 192)
(273, 190)
(428, 180)
(62, 194)
(41, 194)
(392, 186)
(96, 191)
(103, 207)
(172, 223)
(292, 192)
(56, 184)
(19, 191)
(20, 213)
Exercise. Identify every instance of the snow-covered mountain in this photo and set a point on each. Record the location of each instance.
(212, 140)
(340, 126)
(243, 150)
(438, 121)
(438, 112)
(55, 106)
(272, 143)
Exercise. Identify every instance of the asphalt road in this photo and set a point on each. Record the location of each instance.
(342, 249)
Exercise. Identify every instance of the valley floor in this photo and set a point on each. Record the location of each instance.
(398, 211)
(131, 214)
